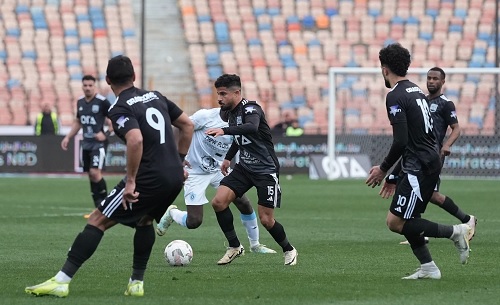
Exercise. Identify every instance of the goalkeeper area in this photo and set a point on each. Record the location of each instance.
(356, 109)
(346, 253)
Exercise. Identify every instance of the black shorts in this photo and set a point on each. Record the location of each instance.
(438, 184)
(93, 159)
(153, 205)
(413, 192)
(267, 185)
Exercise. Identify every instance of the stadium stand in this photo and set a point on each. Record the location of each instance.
(48, 46)
(283, 51)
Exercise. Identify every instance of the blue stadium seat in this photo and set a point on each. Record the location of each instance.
(86, 40)
(374, 12)
(72, 47)
(308, 22)
(330, 11)
(30, 54)
(223, 48)
(71, 32)
(273, 11)
(457, 28)
(13, 83)
(259, 11)
(397, 20)
(204, 18)
(128, 33)
(3, 55)
(254, 42)
(82, 17)
(221, 32)
(212, 59)
(21, 8)
(413, 20)
(73, 62)
(432, 12)
(461, 13)
(214, 72)
(15, 32)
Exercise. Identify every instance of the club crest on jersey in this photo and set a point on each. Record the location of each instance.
(453, 114)
(95, 108)
(239, 120)
(121, 122)
(433, 108)
(394, 109)
(250, 109)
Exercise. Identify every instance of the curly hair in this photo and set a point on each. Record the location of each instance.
(396, 58)
(228, 81)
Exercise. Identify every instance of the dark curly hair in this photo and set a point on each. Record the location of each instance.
(396, 58)
(228, 81)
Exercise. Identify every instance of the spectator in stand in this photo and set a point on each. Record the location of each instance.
(47, 121)
(294, 130)
(280, 128)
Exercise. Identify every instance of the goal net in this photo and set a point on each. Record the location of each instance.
(358, 123)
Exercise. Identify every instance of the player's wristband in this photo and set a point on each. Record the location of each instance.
(182, 156)
(392, 179)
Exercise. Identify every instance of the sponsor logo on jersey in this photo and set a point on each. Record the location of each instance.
(453, 114)
(146, 98)
(121, 122)
(394, 109)
(250, 109)
(414, 89)
(95, 108)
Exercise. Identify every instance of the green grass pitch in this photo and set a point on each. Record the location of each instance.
(346, 253)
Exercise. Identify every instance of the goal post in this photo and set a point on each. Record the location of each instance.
(416, 75)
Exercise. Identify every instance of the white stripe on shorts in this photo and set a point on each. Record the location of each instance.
(113, 204)
(415, 193)
(102, 157)
(276, 189)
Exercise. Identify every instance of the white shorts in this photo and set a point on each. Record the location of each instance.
(196, 185)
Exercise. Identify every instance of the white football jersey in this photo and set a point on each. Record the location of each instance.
(206, 153)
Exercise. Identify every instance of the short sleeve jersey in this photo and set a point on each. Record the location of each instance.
(407, 104)
(257, 153)
(206, 153)
(444, 114)
(153, 114)
(92, 115)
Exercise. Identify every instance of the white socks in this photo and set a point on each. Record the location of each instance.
(249, 221)
(62, 277)
(179, 216)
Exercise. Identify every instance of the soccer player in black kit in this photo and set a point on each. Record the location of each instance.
(443, 114)
(415, 142)
(143, 120)
(257, 167)
(91, 112)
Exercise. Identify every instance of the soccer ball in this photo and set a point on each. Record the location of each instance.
(178, 253)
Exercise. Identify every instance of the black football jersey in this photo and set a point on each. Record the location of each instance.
(153, 114)
(407, 104)
(257, 153)
(443, 114)
(92, 116)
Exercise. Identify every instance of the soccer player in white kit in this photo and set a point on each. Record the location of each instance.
(203, 163)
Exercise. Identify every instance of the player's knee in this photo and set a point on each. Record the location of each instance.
(219, 204)
(243, 205)
(437, 198)
(266, 220)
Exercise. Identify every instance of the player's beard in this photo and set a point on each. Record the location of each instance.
(387, 83)
(433, 90)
